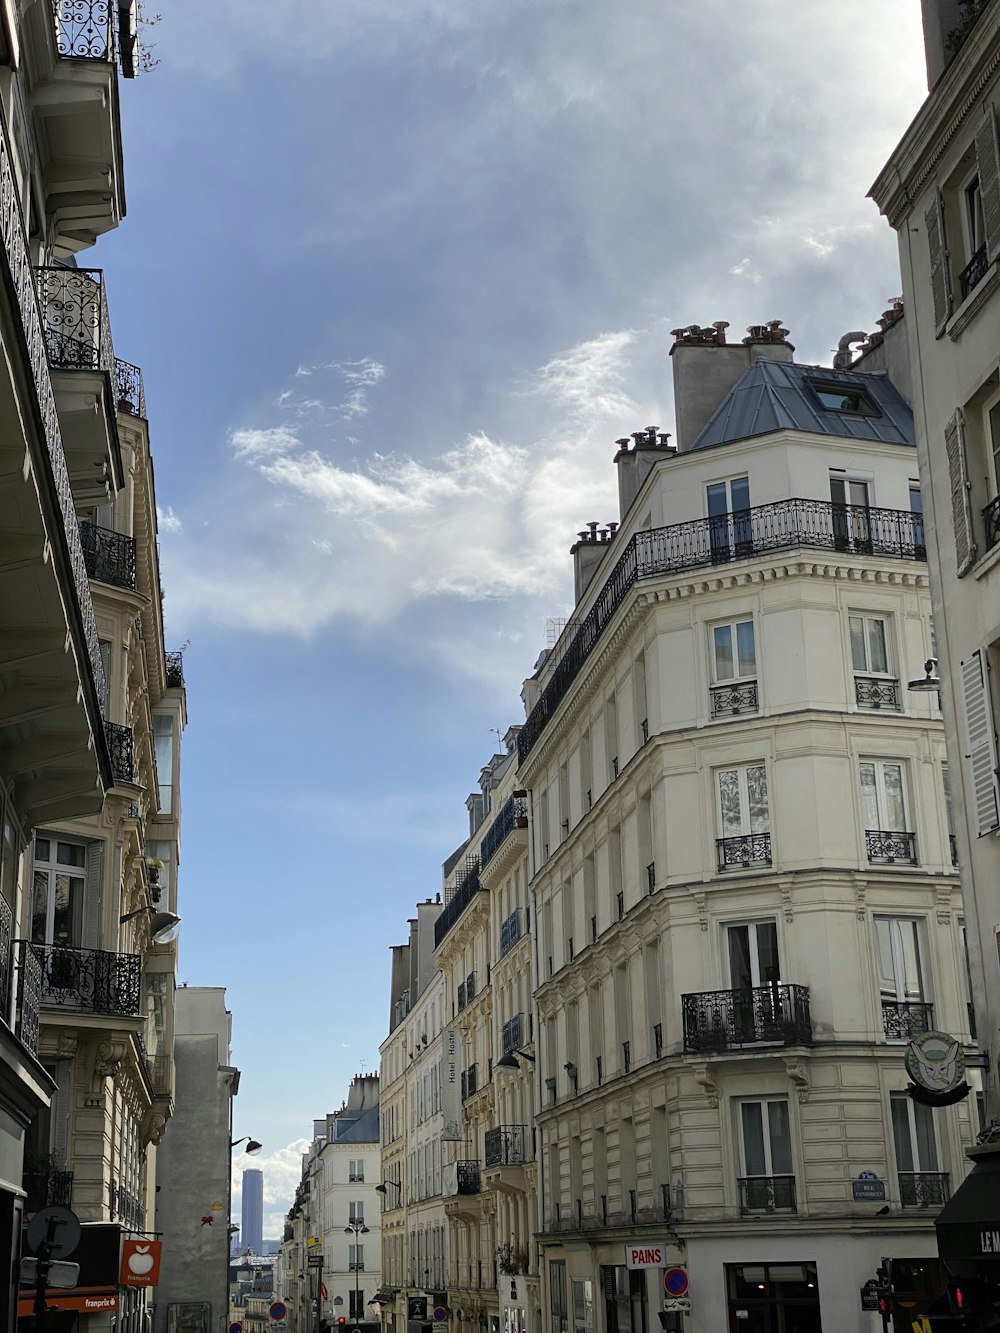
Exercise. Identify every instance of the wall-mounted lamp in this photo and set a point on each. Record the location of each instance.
(380, 1189)
(252, 1148)
(929, 681)
(163, 926)
(510, 1060)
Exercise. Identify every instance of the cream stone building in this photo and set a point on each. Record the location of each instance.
(941, 191)
(743, 883)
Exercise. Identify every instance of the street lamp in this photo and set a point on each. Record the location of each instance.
(510, 1060)
(930, 679)
(252, 1148)
(163, 926)
(355, 1229)
(381, 1189)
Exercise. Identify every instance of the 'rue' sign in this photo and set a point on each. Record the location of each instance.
(650, 1254)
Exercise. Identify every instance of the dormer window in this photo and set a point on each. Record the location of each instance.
(849, 399)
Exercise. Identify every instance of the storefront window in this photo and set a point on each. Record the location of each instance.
(624, 1293)
(773, 1298)
(557, 1284)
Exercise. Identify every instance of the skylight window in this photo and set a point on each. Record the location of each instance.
(849, 399)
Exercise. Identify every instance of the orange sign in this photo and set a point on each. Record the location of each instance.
(83, 1301)
(140, 1263)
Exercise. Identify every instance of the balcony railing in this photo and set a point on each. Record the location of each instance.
(505, 1145)
(513, 1030)
(923, 1189)
(876, 692)
(22, 276)
(175, 670)
(767, 1194)
(127, 1208)
(513, 814)
(731, 1019)
(87, 980)
(820, 524)
(470, 988)
(122, 750)
(748, 851)
(887, 847)
(130, 395)
(903, 1019)
(991, 520)
(460, 1000)
(6, 959)
(468, 1177)
(45, 1183)
(953, 848)
(29, 998)
(77, 326)
(510, 931)
(109, 556)
(470, 1081)
(463, 894)
(734, 700)
(974, 272)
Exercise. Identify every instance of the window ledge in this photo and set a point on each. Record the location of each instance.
(986, 563)
(972, 304)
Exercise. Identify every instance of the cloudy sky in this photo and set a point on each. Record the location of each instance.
(398, 273)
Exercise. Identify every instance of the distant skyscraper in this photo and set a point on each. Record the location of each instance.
(252, 1212)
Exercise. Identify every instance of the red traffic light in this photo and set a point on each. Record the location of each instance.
(342, 1321)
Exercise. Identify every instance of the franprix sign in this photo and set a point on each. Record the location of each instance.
(98, 1254)
(140, 1266)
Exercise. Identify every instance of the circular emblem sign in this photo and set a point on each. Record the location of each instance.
(278, 1310)
(440, 1314)
(935, 1062)
(675, 1282)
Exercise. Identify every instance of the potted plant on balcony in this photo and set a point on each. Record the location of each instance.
(153, 867)
(512, 1259)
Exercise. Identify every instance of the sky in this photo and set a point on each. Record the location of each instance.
(398, 273)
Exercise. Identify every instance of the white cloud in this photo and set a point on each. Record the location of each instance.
(282, 1172)
(167, 520)
(257, 444)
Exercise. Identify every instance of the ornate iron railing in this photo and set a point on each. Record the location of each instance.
(974, 272)
(903, 1019)
(130, 395)
(122, 751)
(468, 1176)
(470, 1081)
(729, 1019)
(460, 1002)
(953, 848)
(16, 257)
(77, 325)
(29, 998)
(45, 1183)
(657, 1040)
(767, 1194)
(466, 889)
(889, 847)
(991, 519)
(923, 1189)
(785, 525)
(506, 1145)
(512, 814)
(470, 988)
(175, 670)
(109, 556)
(732, 700)
(513, 1031)
(6, 959)
(747, 851)
(876, 692)
(87, 980)
(510, 931)
(127, 1208)
(84, 28)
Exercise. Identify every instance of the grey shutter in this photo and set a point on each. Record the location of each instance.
(62, 1110)
(981, 740)
(93, 896)
(988, 161)
(937, 243)
(961, 504)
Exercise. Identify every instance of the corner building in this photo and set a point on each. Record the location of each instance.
(743, 877)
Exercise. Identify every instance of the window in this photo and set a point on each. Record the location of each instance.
(991, 512)
(58, 884)
(742, 815)
(734, 668)
(356, 1258)
(730, 522)
(902, 987)
(356, 1171)
(768, 1182)
(357, 1305)
(847, 398)
(949, 815)
(883, 813)
(980, 736)
(917, 510)
(752, 954)
(625, 1306)
(875, 685)
(850, 498)
(356, 1211)
(557, 1288)
(163, 732)
(921, 1182)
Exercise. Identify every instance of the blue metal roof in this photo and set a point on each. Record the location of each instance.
(780, 395)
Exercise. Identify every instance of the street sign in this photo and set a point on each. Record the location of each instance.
(650, 1254)
(62, 1224)
(278, 1310)
(315, 1260)
(677, 1305)
(675, 1282)
(236, 1327)
(440, 1314)
(868, 1187)
(869, 1295)
(61, 1273)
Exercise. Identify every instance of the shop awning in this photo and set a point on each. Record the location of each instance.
(968, 1227)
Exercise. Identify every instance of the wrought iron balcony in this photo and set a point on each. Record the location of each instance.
(903, 1019)
(175, 670)
(974, 272)
(657, 1040)
(45, 1182)
(122, 751)
(725, 1020)
(77, 326)
(785, 525)
(734, 700)
(87, 980)
(890, 847)
(127, 1208)
(470, 1081)
(876, 692)
(923, 1189)
(109, 556)
(97, 30)
(468, 1176)
(748, 851)
(991, 520)
(506, 1145)
(470, 988)
(512, 814)
(767, 1194)
(29, 998)
(130, 395)
(464, 892)
(6, 959)
(513, 1031)
(953, 848)
(510, 931)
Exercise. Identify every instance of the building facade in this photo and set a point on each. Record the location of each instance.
(252, 1211)
(744, 893)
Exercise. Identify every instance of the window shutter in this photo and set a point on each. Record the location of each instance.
(62, 1109)
(981, 739)
(93, 896)
(988, 160)
(961, 506)
(940, 277)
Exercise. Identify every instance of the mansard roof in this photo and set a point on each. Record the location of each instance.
(782, 395)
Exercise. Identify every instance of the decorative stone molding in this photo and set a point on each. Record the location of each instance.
(701, 901)
(798, 1076)
(67, 1044)
(107, 1062)
(703, 1076)
(942, 904)
(151, 1127)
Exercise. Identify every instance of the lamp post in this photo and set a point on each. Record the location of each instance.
(355, 1229)
(252, 1148)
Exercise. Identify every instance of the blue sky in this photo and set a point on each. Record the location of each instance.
(398, 273)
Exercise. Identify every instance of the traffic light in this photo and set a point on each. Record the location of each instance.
(956, 1300)
(341, 1321)
(884, 1291)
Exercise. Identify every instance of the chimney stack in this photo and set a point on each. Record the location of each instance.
(706, 367)
(588, 552)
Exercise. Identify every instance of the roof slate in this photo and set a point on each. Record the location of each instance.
(776, 395)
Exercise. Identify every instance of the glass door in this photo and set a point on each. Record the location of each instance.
(729, 527)
(755, 979)
(851, 525)
(58, 884)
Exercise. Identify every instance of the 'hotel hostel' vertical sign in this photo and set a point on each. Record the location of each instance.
(451, 1092)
